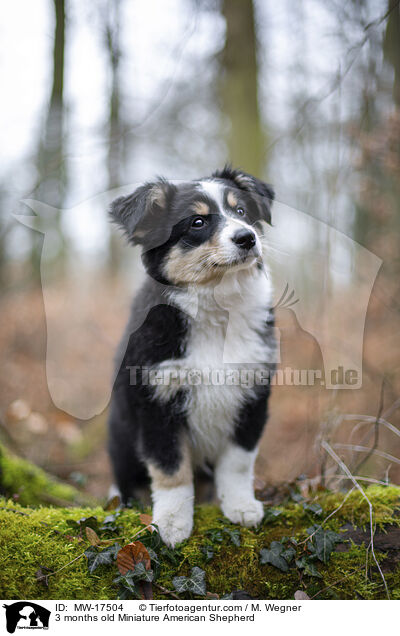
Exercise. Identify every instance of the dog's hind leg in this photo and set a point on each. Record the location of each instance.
(129, 471)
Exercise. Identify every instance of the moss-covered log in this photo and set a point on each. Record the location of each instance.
(34, 538)
(31, 486)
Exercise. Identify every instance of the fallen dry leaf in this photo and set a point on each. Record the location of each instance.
(131, 554)
(92, 536)
(299, 595)
(112, 503)
(146, 520)
(128, 557)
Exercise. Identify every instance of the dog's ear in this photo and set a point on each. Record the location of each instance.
(138, 213)
(264, 192)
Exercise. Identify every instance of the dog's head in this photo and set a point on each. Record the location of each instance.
(194, 232)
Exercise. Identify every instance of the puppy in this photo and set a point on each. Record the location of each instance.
(192, 381)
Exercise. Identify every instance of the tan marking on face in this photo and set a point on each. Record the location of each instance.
(195, 265)
(200, 207)
(181, 477)
(232, 199)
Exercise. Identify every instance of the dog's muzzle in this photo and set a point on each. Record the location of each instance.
(244, 239)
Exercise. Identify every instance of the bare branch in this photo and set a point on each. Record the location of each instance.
(345, 469)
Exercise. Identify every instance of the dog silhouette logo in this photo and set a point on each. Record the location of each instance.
(26, 615)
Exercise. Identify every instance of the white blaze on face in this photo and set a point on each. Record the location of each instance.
(215, 191)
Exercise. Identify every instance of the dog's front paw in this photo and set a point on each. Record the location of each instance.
(174, 529)
(247, 513)
(173, 513)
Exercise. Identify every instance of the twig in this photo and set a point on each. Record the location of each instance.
(392, 408)
(327, 427)
(366, 449)
(368, 419)
(376, 430)
(370, 480)
(166, 591)
(345, 469)
(66, 565)
(140, 531)
(328, 517)
(17, 512)
(336, 582)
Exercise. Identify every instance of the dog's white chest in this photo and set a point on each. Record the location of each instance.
(224, 338)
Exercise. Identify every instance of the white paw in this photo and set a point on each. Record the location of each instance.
(174, 528)
(173, 513)
(246, 512)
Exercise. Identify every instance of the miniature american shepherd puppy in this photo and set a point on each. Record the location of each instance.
(192, 380)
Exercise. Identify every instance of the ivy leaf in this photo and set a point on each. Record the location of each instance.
(81, 525)
(275, 556)
(136, 583)
(174, 556)
(104, 557)
(288, 554)
(234, 535)
(127, 587)
(315, 508)
(153, 555)
(270, 514)
(215, 535)
(304, 563)
(155, 562)
(208, 552)
(142, 573)
(88, 521)
(237, 595)
(296, 496)
(110, 522)
(323, 542)
(126, 593)
(194, 583)
(151, 538)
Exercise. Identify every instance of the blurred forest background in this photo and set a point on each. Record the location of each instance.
(99, 95)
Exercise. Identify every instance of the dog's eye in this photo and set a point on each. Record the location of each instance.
(240, 211)
(198, 223)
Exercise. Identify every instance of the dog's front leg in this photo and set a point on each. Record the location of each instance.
(173, 497)
(234, 482)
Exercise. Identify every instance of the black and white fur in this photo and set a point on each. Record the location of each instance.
(206, 303)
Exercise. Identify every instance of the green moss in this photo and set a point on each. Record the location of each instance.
(26, 543)
(30, 539)
(32, 485)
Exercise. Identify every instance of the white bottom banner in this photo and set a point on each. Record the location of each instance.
(331, 617)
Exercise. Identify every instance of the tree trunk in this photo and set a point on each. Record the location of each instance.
(52, 177)
(245, 138)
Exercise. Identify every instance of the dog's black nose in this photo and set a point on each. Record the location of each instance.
(244, 238)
